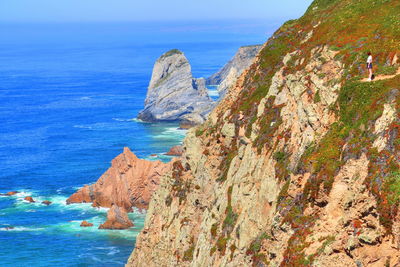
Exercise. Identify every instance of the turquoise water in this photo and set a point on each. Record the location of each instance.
(68, 98)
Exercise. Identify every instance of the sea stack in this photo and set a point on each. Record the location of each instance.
(174, 94)
(128, 183)
(228, 75)
(117, 219)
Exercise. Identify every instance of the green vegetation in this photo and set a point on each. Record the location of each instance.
(254, 250)
(171, 53)
(188, 254)
(393, 187)
(214, 229)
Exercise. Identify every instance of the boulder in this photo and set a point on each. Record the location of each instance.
(86, 224)
(174, 93)
(129, 182)
(46, 202)
(175, 151)
(117, 219)
(29, 199)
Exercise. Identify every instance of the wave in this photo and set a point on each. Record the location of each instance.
(171, 133)
(139, 120)
(124, 120)
(20, 229)
(213, 93)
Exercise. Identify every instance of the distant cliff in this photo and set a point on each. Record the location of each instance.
(299, 164)
(173, 93)
(227, 76)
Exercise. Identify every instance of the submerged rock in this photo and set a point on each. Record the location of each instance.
(11, 193)
(86, 224)
(117, 219)
(228, 75)
(29, 199)
(46, 202)
(175, 151)
(173, 93)
(129, 182)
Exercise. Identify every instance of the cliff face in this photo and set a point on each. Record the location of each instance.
(129, 182)
(299, 163)
(228, 75)
(173, 93)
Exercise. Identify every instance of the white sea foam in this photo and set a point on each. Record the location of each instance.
(139, 120)
(21, 229)
(85, 98)
(171, 133)
(213, 93)
(123, 120)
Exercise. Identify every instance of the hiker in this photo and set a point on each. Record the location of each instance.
(369, 66)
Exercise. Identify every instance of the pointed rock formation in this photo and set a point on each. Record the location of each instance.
(173, 93)
(129, 182)
(117, 219)
(228, 75)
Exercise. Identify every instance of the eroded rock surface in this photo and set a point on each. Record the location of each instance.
(173, 93)
(175, 151)
(117, 219)
(228, 75)
(299, 164)
(129, 182)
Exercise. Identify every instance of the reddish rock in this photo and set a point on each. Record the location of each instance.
(29, 199)
(11, 193)
(81, 196)
(129, 182)
(117, 219)
(46, 202)
(86, 224)
(175, 151)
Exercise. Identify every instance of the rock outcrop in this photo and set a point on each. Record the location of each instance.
(317, 180)
(117, 219)
(173, 93)
(226, 77)
(129, 182)
(175, 151)
(86, 224)
(46, 202)
(29, 199)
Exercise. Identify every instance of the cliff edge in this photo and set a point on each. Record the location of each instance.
(299, 165)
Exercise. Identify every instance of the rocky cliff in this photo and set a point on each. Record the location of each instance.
(299, 165)
(128, 183)
(228, 75)
(173, 93)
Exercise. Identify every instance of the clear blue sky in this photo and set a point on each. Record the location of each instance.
(147, 10)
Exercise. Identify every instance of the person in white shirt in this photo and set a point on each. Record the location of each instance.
(369, 66)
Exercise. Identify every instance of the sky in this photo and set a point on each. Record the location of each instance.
(147, 10)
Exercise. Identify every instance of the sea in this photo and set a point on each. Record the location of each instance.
(69, 96)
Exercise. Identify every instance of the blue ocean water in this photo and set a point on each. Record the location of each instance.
(69, 94)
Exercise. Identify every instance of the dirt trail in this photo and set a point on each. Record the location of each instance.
(383, 77)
